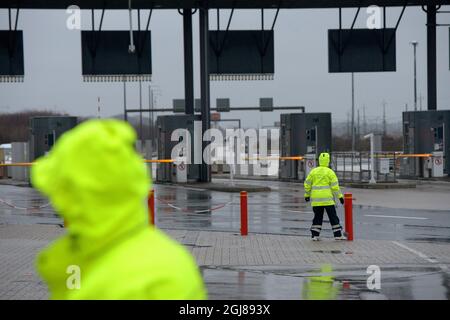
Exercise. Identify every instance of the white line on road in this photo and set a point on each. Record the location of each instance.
(417, 253)
(420, 254)
(298, 211)
(398, 217)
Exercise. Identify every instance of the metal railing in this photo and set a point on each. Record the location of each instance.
(357, 166)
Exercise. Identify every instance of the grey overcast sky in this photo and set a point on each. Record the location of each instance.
(53, 65)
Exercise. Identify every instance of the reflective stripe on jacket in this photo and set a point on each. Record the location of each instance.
(322, 184)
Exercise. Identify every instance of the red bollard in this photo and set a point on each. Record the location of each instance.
(151, 207)
(244, 214)
(348, 204)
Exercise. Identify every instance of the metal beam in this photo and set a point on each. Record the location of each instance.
(205, 170)
(125, 118)
(302, 108)
(149, 110)
(259, 108)
(188, 62)
(229, 120)
(431, 57)
(213, 4)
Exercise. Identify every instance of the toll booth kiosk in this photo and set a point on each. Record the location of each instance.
(302, 134)
(183, 169)
(426, 132)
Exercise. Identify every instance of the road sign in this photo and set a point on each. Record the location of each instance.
(384, 166)
(266, 104)
(179, 105)
(438, 166)
(223, 104)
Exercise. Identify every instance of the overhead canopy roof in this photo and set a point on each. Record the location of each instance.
(174, 4)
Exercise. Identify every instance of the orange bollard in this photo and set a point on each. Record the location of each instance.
(151, 207)
(244, 214)
(348, 205)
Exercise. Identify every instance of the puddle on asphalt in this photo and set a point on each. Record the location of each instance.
(223, 284)
(332, 251)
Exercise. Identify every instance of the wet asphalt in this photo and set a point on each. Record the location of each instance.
(282, 211)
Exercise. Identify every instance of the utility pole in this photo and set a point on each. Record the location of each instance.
(406, 107)
(98, 107)
(140, 116)
(150, 106)
(364, 120)
(125, 116)
(358, 131)
(348, 124)
(384, 118)
(414, 44)
(353, 113)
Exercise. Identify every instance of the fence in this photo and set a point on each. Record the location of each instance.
(357, 166)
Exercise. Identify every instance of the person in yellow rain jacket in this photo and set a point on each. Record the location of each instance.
(98, 184)
(321, 188)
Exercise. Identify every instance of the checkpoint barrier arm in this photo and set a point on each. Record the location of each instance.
(275, 158)
(397, 155)
(29, 164)
(17, 164)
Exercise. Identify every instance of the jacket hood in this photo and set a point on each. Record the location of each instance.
(96, 181)
(324, 159)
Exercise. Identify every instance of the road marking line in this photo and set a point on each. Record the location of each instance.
(421, 255)
(298, 211)
(398, 217)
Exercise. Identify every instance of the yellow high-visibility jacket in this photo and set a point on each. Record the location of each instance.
(322, 184)
(98, 183)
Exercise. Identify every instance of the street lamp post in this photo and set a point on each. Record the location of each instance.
(372, 159)
(353, 115)
(414, 44)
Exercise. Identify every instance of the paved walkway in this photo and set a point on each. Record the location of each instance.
(229, 249)
(20, 243)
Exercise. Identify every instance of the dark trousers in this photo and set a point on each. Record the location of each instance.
(318, 219)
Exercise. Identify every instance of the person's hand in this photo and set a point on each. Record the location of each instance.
(307, 199)
(341, 200)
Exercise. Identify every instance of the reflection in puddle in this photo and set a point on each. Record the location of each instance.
(321, 287)
(332, 251)
(325, 284)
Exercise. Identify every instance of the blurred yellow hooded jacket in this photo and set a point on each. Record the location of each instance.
(99, 184)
